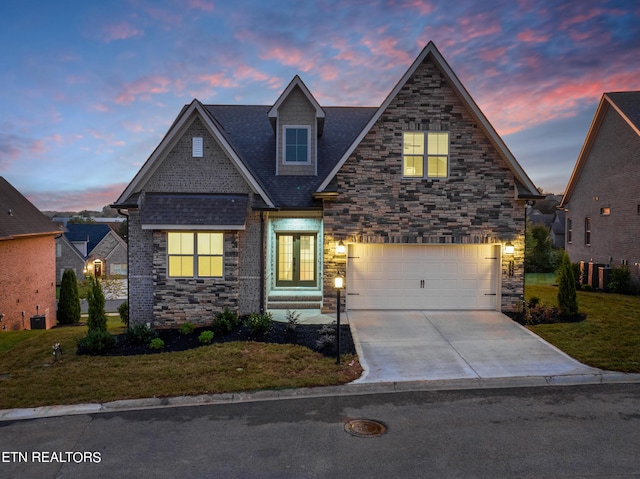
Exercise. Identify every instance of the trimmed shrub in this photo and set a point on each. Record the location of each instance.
(259, 324)
(620, 280)
(141, 334)
(225, 321)
(69, 302)
(156, 344)
(205, 337)
(97, 316)
(123, 311)
(567, 298)
(96, 342)
(293, 319)
(186, 328)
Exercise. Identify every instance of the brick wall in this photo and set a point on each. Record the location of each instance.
(474, 205)
(28, 279)
(609, 179)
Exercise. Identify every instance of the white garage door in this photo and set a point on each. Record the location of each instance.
(422, 277)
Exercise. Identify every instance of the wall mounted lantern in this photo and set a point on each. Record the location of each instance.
(341, 248)
(509, 248)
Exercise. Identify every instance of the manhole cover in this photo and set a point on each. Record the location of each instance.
(365, 428)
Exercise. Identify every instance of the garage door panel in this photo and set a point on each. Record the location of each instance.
(422, 276)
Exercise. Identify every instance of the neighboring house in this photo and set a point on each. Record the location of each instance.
(602, 201)
(260, 207)
(553, 222)
(91, 249)
(27, 263)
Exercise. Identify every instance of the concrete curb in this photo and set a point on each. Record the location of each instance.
(600, 377)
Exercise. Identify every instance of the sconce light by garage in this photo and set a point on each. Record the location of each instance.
(341, 248)
(509, 248)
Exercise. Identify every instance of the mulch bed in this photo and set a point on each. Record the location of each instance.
(306, 335)
(545, 315)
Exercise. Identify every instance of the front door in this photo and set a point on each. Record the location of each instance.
(296, 259)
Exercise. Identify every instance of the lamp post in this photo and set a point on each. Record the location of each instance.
(338, 283)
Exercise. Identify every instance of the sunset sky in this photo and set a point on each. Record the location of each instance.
(89, 88)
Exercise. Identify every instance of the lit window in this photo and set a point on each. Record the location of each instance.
(436, 154)
(606, 211)
(195, 254)
(197, 147)
(296, 144)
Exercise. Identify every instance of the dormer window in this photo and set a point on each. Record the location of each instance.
(296, 147)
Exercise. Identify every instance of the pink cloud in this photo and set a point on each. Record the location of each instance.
(120, 31)
(290, 56)
(93, 199)
(493, 55)
(480, 25)
(386, 46)
(101, 107)
(201, 5)
(143, 88)
(423, 7)
(529, 36)
(220, 80)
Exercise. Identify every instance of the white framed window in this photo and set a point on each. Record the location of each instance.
(197, 147)
(425, 154)
(296, 145)
(195, 255)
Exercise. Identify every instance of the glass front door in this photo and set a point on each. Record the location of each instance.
(296, 259)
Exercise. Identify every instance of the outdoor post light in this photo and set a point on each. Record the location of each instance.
(338, 283)
(341, 249)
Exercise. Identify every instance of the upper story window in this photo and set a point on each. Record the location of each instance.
(197, 148)
(195, 255)
(296, 144)
(426, 151)
(569, 230)
(606, 211)
(587, 231)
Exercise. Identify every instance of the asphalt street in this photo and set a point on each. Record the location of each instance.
(567, 431)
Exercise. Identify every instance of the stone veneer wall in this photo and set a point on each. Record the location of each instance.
(196, 300)
(474, 205)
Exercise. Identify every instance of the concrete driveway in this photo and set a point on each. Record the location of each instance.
(396, 346)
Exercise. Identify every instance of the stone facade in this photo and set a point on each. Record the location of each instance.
(68, 257)
(609, 180)
(475, 204)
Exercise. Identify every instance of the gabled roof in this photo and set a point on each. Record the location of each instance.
(91, 233)
(627, 105)
(526, 188)
(129, 195)
(296, 82)
(19, 217)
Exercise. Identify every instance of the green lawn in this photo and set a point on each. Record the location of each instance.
(608, 339)
(29, 376)
(538, 279)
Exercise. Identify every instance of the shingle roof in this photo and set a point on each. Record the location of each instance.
(248, 130)
(177, 209)
(90, 232)
(19, 217)
(629, 104)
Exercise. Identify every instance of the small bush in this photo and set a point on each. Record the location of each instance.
(293, 319)
(186, 328)
(534, 301)
(620, 280)
(327, 337)
(205, 337)
(259, 324)
(96, 342)
(156, 344)
(141, 334)
(225, 321)
(586, 287)
(123, 311)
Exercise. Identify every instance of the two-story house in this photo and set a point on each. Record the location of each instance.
(417, 202)
(602, 200)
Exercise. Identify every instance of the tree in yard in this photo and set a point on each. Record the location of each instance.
(567, 298)
(97, 317)
(69, 302)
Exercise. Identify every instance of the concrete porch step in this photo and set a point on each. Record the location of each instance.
(294, 305)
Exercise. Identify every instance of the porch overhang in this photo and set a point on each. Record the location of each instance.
(211, 212)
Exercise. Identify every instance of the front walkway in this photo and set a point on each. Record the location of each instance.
(396, 346)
